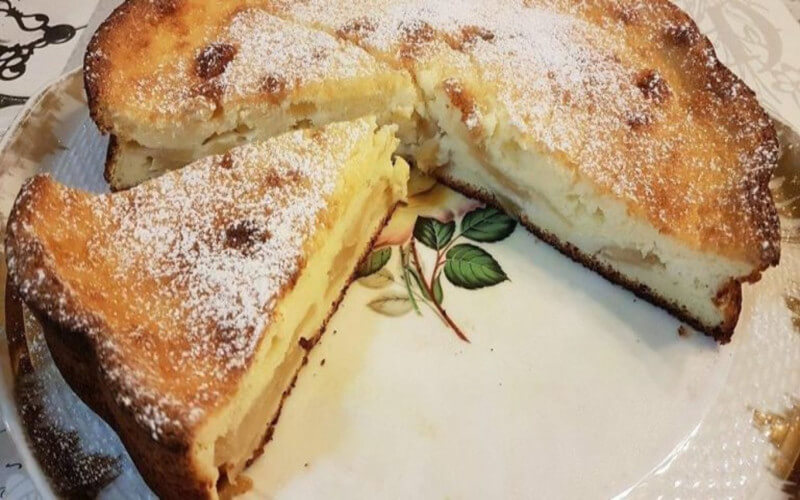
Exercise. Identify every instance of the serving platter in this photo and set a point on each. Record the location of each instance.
(547, 381)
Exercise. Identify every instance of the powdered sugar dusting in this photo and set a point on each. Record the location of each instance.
(281, 54)
(199, 258)
(626, 93)
(564, 78)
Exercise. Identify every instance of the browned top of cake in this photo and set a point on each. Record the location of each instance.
(629, 94)
(173, 283)
(175, 65)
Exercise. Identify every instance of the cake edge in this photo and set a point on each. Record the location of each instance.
(729, 297)
(168, 466)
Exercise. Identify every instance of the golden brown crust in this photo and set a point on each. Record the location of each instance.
(167, 464)
(52, 300)
(112, 156)
(725, 97)
(728, 298)
(34, 271)
(206, 275)
(56, 233)
(726, 144)
(127, 24)
(187, 324)
(169, 471)
(722, 145)
(74, 349)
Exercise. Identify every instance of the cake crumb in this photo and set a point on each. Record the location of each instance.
(683, 331)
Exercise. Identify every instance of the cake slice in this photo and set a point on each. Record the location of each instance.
(609, 128)
(181, 310)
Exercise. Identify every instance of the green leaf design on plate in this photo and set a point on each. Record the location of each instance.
(374, 262)
(392, 304)
(471, 267)
(432, 233)
(420, 284)
(438, 293)
(381, 279)
(487, 225)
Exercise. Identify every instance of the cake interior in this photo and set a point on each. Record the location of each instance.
(131, 163)
(552, 199)
(234, 435)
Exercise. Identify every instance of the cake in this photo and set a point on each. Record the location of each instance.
(610, 129)
(181, 310)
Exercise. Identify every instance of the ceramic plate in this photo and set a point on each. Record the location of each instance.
(548, 381)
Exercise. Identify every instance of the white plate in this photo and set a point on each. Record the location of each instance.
(569, 386)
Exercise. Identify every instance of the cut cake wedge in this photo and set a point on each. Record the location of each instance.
(181, 310)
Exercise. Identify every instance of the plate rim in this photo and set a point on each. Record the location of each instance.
(8, 406)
